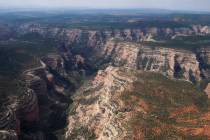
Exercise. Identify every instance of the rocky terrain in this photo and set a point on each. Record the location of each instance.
(41, 103)
(8, 135)
(122, 103)
(98, 106)
(95, 37)
(110, 84)
(124, 47)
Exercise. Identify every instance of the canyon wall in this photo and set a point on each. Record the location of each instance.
(41, 102)
(97, 107)
(123, 47)
(175, 63)
(95, 37)
(81, 52)
(123, 103)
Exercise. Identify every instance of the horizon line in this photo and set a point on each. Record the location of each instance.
(65, 8)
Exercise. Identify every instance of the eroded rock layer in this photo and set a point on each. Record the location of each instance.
(92, 44)
(175, 63)
(97, 108)
(96, 37)
(8, 120)
(8, 135)
(101, 110)
(123, 103)
(171, 62)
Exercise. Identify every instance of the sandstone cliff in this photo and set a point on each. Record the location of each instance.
(97, 107)
(99, 46)
(175, 63)
(101, 110)
(123, 103)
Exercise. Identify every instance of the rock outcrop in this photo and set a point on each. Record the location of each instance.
(93, 38)
(92, 44)
(121, 54)
(175, 63)
(38, 105)
(96, 108)
(9, 120)
(98, 111)
(124, 103)
(8, 135)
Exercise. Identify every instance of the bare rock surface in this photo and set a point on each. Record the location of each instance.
(96, 110)
(8, 135)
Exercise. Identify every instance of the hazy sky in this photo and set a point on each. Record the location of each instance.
(198, 5)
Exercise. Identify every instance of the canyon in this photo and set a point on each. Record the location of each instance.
(110, 84)
(126, 48)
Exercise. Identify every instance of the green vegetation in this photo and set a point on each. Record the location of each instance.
(188, 43)
(17, 56)
(171, 93)
(163, 96)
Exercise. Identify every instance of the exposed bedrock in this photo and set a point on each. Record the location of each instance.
(46, 98)
(97, 46)
(97, 37)
(8, 135)
(93, 44)
(40, 109)
(171, 62)
(175, 63)
(193, 66)
(95, 112)
(49, 85)
(9, 120)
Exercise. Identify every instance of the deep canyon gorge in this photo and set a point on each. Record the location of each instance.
(111, 84)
